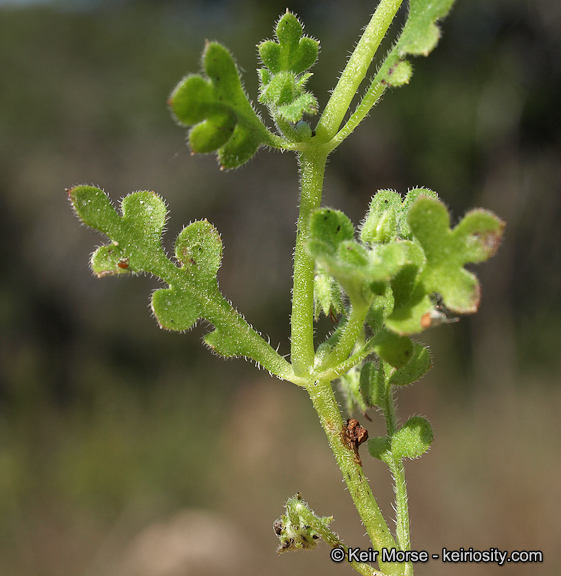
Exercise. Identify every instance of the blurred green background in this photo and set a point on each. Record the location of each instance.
(126, 450)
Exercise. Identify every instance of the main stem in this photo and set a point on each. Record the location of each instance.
(331, 420)
(312, 170)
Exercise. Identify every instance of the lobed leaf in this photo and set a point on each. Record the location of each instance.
(418, 364)
(474, 239)
(284, 79)
(217, 106)
(293, 52)
(394, 349)
(421, 34)
(136, 247)
(198, 249)
(413, 439)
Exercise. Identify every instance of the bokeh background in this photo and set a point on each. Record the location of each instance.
(126, 450)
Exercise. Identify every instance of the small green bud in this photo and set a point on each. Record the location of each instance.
(327, 295)
(304, 131)
(399, 74)
(372, 384)
(413, 439)
(380, 224)
(412, 195)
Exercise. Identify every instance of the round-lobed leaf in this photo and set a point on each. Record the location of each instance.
(199, 249)
(394, 349)
(175, 309)
(145, 213)
(331, 227)
(110, 260)
(413, 439)
(94, 208)
(418, 365)
(224, 119)
(380, 448)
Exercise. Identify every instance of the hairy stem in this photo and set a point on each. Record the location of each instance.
(312, 169)
(402, 531)
(331, 420)
(351, 335)
(356, 69)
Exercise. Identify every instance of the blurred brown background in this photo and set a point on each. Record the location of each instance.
(125, 450)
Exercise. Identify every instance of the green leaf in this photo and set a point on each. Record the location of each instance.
(394, 349)
(217, 105)
(475, 239)
(283, 81)
(373, 384)
(327, 295)
(447, 251)
(198, 249)
(293, 52)
(192, 291)
(413, 439)
(421, 34)
(380, 448)
(362, 272)
(418, 364)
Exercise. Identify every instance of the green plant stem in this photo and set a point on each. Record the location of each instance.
(370, 99)
(356, 69)
(350, 336)
(331, 420)
(227, 319)
(312, 170)
(402, 531)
